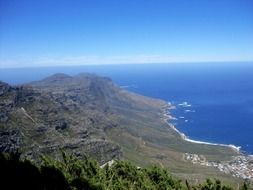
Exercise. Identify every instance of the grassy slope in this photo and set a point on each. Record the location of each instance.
(146, 139)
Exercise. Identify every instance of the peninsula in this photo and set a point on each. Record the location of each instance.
(90, 115)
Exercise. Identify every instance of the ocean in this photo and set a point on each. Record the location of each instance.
(214, 101)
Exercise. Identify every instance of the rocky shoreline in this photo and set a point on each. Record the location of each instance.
(168, 117)
(240, 166)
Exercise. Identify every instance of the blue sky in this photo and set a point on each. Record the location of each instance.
(76, 32)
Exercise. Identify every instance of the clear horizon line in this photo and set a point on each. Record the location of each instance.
(138, 63)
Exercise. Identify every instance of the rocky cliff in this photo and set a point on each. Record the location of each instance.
(59, 112)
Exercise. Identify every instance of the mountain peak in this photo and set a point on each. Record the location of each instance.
(4, 87)
(58, 76)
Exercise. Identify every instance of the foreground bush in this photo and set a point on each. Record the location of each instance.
(86, 174)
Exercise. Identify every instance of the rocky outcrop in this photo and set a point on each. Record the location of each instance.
(59, 112)
(61, 125)
(4, 87)
(7, 101)
(10, 141)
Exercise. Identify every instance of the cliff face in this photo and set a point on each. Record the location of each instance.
(58, 112)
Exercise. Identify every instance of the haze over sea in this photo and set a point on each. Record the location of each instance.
(214, 101)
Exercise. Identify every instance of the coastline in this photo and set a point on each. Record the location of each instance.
(240, 165)
(184, 137)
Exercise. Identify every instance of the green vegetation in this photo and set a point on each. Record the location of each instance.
(74, 173)
(88, 114)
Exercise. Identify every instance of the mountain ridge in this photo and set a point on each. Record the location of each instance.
(90, 115)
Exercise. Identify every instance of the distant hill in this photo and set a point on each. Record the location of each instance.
(90, 115)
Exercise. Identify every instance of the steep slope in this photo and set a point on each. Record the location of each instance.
(87, 114)
(54, 113)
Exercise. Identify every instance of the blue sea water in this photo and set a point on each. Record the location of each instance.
(218, 97)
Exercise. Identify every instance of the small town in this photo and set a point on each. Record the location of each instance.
(241, 166)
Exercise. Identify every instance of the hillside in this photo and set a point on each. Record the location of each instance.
(90, 115)
(86, 174)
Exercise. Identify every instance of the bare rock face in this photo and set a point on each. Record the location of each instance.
(10, 141)
(61, 125)
(59, 112)
(7, 103)
(4, 87)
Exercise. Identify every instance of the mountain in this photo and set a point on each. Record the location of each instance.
(90, 115)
